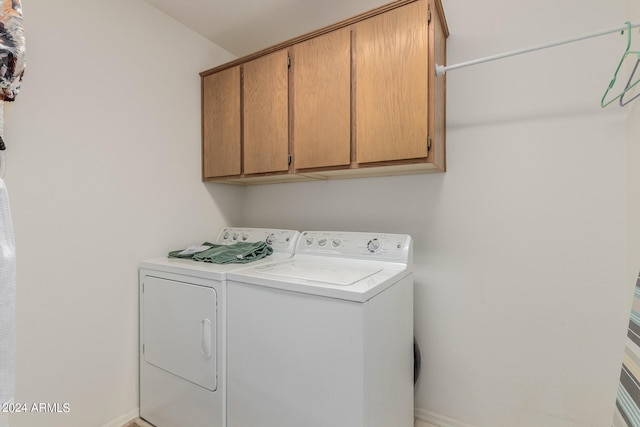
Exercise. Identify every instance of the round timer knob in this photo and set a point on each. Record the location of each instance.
(271, 239)
(373, 245)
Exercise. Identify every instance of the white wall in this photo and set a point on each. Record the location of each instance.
(521, 297)
(633, 167)
(103, 170)
(521, 290)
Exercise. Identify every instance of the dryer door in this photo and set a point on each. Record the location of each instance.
(179, 329)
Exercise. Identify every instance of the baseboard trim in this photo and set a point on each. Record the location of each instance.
(437, 419)
(422, 416)
(124, 419)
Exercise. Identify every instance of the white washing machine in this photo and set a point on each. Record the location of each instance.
(324, 339)
(183, 332)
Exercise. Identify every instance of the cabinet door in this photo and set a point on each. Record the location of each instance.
(391, 74)
(221, 123)
(322, 101)
(266, 114)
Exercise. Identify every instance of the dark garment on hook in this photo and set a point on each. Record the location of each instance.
(12, 52)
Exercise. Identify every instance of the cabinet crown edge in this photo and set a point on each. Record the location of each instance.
(341, 24)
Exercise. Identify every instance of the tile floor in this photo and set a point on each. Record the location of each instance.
(137, 423)
(141, 423)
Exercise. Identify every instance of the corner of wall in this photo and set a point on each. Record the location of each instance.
(633, 173)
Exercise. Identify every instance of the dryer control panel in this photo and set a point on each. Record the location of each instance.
(382, 246)
(280, 240)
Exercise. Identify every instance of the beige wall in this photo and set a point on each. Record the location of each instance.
(633, 167)
(103, 155)
(522, 249)
(521, 293)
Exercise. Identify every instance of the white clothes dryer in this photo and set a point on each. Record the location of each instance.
(324, 339)
(183, 332)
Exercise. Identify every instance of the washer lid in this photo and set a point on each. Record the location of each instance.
(318, 272)
(352, 280)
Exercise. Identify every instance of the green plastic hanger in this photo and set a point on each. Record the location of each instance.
(615, 75)
(629, 85)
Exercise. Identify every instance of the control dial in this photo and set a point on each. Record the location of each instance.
(271, 239)
(373, 245)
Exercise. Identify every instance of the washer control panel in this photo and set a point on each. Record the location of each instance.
(355, 244)
(283, 240)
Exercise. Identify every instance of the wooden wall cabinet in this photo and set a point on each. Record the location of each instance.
(266, 114)
(358, 98)
(391, 59)
(221, 133)
(321, 100)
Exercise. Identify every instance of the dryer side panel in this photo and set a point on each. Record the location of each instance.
(179, 329)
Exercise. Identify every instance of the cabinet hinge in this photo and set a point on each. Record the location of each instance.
(428, 143)
(290, 159)
(288, 61)
(429, 16)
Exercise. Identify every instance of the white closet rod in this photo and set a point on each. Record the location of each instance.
(441, 69)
